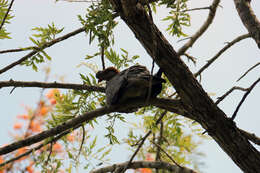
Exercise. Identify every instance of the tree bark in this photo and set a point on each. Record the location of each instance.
(249, 19)
(194, 99)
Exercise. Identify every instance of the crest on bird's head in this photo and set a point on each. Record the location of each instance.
(106, 74)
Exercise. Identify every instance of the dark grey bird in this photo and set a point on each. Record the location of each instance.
(133, 82)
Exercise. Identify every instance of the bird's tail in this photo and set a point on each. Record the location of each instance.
(158, 76)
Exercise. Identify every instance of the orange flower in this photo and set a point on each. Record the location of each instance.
(57, 147)
(145, 170)
(52, 93)
(29, 169)
(149, 157)
(35, 126)
(71, 137)
(23, 116)
(17, 126)
(44, 110)
(53, 101)
(1, 159)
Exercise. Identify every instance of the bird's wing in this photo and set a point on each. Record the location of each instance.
(114, 88)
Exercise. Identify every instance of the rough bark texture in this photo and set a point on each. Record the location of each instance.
(249, 19)
(195, 100)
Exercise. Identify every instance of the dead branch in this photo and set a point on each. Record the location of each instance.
(248, 71)
(228, 92)
(214, 58)
(203, 28)
(244, 98)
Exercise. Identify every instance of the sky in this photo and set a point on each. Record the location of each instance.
(217, 79)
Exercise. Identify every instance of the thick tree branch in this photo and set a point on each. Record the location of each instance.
(45, 45)
(77, 121)
(220, 53)
(203, 28)
(12, 83)
(195, 100)
(249, 19)
(145, 164)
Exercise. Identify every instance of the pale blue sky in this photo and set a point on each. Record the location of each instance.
(220, 77)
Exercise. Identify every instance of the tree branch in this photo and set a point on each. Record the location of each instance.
(145, 164)
(244, 98)
(228, 92)
(203, 28)
(12, 83)
(248, 71)
(249, 19)
(77, 121)
(17, 50)
(56, 138)
(239, 38)
(45, 45)
(168, 155)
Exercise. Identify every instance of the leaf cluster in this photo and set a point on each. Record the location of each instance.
(178, 17)
(42, 37)
(3, 10)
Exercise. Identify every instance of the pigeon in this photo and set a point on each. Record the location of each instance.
(133, 82)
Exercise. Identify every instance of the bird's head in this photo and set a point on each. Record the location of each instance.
(106, 74)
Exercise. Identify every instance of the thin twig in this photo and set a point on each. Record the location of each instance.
(193, 59)
(154, 50)
(196, 9)
(248, 71)
(45, 45)
(159, 142)
(6, 14)
(244, 97)
(228, 92)
(49, 155)
(12, 83)
(102, 57)
(239, 38)
(82, 141)
(168, 155)
(17, 50)
(140, 144)
(203, 28)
